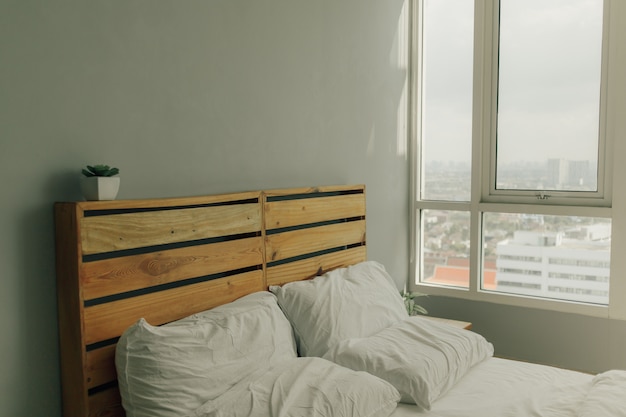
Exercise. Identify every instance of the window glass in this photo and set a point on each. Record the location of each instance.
(446, 99)
(549, 94)
(446, 243)
(560, 257)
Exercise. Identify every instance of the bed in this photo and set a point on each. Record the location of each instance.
(134, 273)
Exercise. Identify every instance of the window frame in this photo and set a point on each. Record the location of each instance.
(484, 197)
(486, 41)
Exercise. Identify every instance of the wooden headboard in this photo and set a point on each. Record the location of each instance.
(164, 259)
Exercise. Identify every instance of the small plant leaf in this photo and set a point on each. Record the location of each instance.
(100, 170)
(409, 302)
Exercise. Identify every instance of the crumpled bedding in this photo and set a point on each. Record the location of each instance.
(305, 387)
(501, 387)
(421, 358)
(498, 387)
(606, 397)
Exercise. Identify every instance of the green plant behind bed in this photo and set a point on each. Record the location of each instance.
(409, 302)
(100, 171)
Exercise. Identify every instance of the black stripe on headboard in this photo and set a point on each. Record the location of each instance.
(316, 194)
(314, 254)
(311, 225)
(106, 212)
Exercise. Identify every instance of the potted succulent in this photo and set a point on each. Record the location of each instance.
(99, 182)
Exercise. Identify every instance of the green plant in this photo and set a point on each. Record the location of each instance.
(100, 171)
(409, 302)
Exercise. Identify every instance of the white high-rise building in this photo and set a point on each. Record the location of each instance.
(555, 265)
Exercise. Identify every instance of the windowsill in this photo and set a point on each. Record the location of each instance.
(515, 300)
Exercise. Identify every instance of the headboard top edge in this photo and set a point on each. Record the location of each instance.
(162, 202)
(317, 189)
(199, 199)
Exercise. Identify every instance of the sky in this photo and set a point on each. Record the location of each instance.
(549, 82)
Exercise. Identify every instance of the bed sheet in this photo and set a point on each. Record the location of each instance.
(506, 388)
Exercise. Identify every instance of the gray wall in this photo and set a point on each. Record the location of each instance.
(187, 98)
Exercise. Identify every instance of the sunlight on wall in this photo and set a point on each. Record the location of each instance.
(370, 141)
(400, 59)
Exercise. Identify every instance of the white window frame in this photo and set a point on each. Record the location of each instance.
(486, 95)
(484, 196)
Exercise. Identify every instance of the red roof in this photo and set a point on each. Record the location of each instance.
(459, 276)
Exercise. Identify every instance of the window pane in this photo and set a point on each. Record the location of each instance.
(446, 107)
(549, 94)
(560, 257)
(445, 251)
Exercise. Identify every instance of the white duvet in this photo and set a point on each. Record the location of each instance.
(606, 397)
(495, 388)
(505, 388)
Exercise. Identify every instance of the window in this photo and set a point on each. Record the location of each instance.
(548, 85)
(512, 191)
(447, 100)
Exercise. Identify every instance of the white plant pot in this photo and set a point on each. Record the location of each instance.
(99, 188)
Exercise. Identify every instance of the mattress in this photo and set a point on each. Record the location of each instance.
(501, 387)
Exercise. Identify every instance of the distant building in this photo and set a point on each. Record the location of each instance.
(570, 175)
(549, 264)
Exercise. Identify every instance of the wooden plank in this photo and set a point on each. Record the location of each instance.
(118, 275)
(107, 403)
(289, 213)
(466, 325)
(299, 242)
(312, 267)
(318, 189)
(106, 321)
(70, 311)
(115, 232)
(167, 202)
(100, 366)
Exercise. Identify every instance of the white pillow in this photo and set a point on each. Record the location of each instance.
(306, 387)
(356, 301)
(171, 370)
(421, 358)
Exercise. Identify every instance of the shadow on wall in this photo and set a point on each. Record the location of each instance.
(38, 327)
